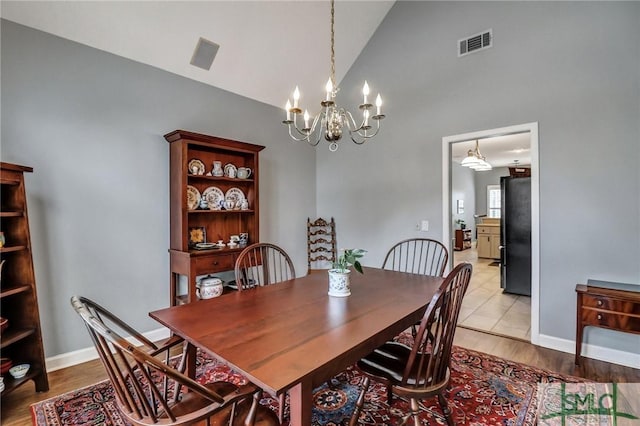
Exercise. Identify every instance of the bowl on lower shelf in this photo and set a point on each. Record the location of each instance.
(19, 371)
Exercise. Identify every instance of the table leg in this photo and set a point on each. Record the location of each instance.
(300, 404)
(579, 329)
(190, 370)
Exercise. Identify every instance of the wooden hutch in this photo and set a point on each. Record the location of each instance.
(21, 340)
(211, 223)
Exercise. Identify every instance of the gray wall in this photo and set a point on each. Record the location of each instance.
(481, 181)
(462, 188)
(91, 125)
(571, 66)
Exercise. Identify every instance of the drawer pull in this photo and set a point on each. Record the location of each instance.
(215, 263)
(599, 316)
(599, 302)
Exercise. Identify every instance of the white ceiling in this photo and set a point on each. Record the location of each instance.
(266, 47)
(500, 151)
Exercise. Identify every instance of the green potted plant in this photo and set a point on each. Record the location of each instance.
(462, 223)
(339, 275)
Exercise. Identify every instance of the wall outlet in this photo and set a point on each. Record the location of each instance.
(424, 225)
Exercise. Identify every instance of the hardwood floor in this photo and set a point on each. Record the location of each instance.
(16, 405)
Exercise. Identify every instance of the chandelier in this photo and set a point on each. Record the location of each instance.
(332, 121)
(475, 160)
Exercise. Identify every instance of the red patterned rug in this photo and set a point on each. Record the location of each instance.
(484, 390)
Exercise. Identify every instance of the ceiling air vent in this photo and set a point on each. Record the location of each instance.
(476, 42)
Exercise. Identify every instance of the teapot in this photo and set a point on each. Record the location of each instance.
(244, 172)
(209, 287)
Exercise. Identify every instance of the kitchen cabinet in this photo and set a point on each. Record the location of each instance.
(488, 241)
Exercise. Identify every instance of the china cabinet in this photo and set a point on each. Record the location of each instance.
(209, 203)
(21, 340)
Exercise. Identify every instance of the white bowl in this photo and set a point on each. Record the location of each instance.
(19, 371)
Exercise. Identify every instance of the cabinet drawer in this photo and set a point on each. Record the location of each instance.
(629, 323)
(215, 263)
(608, 304)
(489, 230)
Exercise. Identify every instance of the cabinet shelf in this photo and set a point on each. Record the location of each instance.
(14, 290)
(10, 383)
(220, 179)
(11, 249)
(220, 211)
(9, 336)
(12, 214)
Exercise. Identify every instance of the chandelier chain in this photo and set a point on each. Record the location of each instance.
(333, 53)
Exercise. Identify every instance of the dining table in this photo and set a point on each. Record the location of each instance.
(292, 336)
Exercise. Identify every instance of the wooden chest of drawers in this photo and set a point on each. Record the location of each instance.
(607, 308)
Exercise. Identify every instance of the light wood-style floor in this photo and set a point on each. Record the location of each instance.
(485, 307)
(16, 411)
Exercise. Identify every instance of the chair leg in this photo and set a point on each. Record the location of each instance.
(281, 407)
(445, 409)
(389, 395)
(360, 403)
(415, 410)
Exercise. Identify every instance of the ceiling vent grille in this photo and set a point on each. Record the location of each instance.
(476, 42)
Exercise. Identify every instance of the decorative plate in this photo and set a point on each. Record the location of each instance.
(197, 235)
(196, 167)
(236, 195)
(205, 246)
(193, 197)
(214, 197)
(230, 170)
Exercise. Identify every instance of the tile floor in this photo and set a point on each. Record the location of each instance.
(485, 307)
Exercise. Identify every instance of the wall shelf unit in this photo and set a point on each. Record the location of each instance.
(21, 341)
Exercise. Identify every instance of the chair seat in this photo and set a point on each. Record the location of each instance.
(389, 362)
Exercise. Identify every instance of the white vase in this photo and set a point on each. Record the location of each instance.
(339, 283)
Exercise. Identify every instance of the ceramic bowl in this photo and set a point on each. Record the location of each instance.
(5, 365)
(19, 371)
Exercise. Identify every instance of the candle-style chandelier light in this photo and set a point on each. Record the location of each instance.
(332, 120)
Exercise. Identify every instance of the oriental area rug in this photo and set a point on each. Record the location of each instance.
(484, 390)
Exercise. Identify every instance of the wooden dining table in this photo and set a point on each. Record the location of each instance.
(292, 336)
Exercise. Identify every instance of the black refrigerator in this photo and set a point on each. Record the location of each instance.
(515, 237)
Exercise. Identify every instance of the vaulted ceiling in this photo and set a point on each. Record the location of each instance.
(266, 47)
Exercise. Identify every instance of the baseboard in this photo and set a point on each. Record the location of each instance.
(70, 359)
(615, 356)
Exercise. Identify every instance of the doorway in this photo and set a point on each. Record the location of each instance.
(452, 214)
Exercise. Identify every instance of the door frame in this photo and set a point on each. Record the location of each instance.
(447, 221)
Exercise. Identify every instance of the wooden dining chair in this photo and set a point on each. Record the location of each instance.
(321, 244)
(422, 256)
(418, 256)
(151, 391)
(262, 264)
(422, 370)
